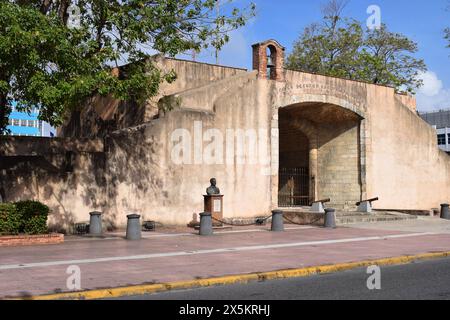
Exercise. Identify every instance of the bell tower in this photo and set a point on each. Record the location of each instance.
(268, 60)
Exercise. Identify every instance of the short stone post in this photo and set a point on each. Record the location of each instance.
(277, 221)
(133, 227)
(95, 223)
(330, 218)
(206, 225)
(445, 211)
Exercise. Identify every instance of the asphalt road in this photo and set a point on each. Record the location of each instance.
(419, 280)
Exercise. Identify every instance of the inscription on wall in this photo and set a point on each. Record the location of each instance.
(357, 98)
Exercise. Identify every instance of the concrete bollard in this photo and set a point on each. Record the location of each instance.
(95, 223)
(277, 221)
(206, 225)
(330, 218)
(445, 211)
(133, 227)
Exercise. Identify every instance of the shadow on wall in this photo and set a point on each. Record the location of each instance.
(50, 180)
(101, 116)
(133, 179)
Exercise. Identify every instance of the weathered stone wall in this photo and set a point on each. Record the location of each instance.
(363, 142)
(406, 169)
(102, 115)
(146, 178)
(71, 184)
(338, 165)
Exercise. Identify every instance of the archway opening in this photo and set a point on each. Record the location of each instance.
(319, 155)
(271, 54)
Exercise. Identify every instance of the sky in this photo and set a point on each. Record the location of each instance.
(423, 21)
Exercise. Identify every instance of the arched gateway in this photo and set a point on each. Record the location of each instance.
(320, 154)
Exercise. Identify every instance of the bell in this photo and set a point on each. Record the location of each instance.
(270, 63)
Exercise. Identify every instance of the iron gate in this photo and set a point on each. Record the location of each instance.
(293, 187)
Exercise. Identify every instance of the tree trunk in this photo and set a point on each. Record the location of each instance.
(5, 110)
(45, 6)
(62, 12)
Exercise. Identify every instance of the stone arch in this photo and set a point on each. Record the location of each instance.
(260, 60)
(292, 99)
(350, 124)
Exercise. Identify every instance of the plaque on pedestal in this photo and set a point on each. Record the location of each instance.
(214, 205)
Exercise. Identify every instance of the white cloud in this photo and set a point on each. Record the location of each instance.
(432, 96)
(431, 84)
(433, 103)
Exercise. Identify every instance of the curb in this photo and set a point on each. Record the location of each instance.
(227, 280)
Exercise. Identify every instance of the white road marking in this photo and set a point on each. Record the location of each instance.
(209, 251)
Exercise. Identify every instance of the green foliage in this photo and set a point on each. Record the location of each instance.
(49, 62)
(10, 219)
(33, 216)
(341, 47)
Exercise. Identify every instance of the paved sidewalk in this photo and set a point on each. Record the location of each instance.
(167, 257)
(421, 224)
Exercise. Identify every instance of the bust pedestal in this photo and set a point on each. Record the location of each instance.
(214, 205)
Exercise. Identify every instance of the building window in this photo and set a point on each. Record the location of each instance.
(441, 139)
(23, 123)
(448, 138)
(31, 123)
(16, 122)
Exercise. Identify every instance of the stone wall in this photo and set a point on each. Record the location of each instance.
(363, 142)
(406, 169)
(68, 175)
(147, 179)
(338, 165)
(101, 115)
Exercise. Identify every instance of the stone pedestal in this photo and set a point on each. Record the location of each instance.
(317, 207)
(214, 205)
(365, 207)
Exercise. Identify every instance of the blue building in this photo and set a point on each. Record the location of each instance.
(24, 124)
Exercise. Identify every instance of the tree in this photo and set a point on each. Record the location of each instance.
(384, 59)
(341, 47)
(56, 53)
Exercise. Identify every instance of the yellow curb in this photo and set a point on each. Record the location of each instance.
(227, 280)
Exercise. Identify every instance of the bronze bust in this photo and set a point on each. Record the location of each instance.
(212, 190)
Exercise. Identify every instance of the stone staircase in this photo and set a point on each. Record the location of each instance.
(346, 218)
(304, 216)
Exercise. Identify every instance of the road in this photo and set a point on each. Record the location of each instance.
(420, 280)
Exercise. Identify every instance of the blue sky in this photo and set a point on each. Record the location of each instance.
(422, 21)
